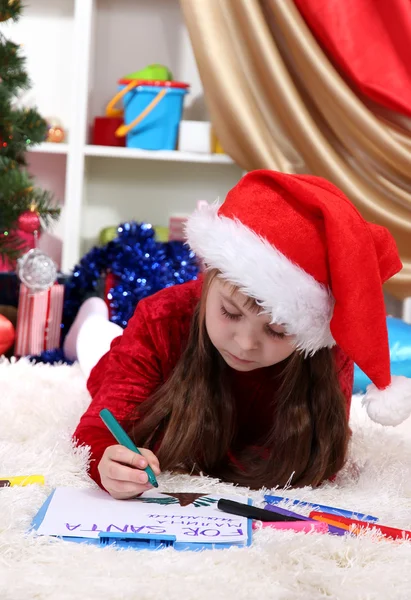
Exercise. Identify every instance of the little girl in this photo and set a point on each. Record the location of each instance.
(246, 374)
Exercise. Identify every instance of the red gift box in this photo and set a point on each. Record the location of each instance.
(39, 318)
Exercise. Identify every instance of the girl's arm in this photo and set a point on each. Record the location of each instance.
(124, 377)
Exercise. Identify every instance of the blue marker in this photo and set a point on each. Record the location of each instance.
(328, 509)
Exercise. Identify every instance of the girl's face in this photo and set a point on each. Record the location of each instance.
(242, 335)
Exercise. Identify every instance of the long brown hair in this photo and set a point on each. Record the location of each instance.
(193, 414)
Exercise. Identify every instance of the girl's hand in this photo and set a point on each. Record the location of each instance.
(122, 471)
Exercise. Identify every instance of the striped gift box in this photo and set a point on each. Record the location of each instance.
(176, 227)
(39, 318)
(177, 223)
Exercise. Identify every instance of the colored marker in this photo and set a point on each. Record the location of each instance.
(356, 526)
(327, 509)
(304, 526)
(332, 521)
(251, 512)
(21, 480)
(124, 440)
(331, 529)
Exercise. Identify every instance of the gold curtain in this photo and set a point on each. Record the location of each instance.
(277, 102)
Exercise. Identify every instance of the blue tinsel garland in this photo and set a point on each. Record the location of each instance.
(51, 357)
(141, 266)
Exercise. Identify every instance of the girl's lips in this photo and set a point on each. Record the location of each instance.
(240, 360)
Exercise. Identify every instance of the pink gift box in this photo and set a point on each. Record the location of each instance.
(39, 318)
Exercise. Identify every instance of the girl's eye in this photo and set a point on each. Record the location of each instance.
(276, 334)
(229, 315)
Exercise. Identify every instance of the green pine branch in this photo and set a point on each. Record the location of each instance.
(18, 194)
(42, 200)
(25, 197)
(13, 77)
(29, 126)
(11, 246)
(10, 9)
(19, 129)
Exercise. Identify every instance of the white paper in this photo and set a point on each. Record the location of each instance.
(85, 513)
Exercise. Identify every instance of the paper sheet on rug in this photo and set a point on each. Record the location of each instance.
(190, 517)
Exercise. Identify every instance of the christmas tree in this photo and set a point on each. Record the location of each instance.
(23, 207)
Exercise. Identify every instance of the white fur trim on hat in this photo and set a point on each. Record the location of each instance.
(292, 297)
(392, 405)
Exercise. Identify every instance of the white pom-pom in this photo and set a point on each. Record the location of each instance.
(392, 405)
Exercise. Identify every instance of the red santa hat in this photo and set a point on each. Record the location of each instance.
(298, 246)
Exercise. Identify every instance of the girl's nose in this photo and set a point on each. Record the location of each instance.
(246, 340)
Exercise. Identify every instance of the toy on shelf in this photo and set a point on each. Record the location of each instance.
(152, 109)
(105, 128)
(195, 136)
(104, 131)
(55, 131)
(216, 147)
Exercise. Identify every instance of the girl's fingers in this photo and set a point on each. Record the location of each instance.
(125, 487)
(120, 472)
(123, 455)
(152, 460)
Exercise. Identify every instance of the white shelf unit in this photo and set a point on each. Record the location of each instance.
(170, 155)
(76, 51)
(48, 148)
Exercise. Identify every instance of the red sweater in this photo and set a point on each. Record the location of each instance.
(142, 359)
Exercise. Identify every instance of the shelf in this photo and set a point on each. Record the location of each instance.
(168, 155)
(49, 148)
(74, 73)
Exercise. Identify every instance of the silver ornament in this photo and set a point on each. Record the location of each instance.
(36, 270)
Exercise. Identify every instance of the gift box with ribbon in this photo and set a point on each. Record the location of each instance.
(39, 317)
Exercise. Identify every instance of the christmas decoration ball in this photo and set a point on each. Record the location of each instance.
(37, 270)
(55, 132)
(7, 334)
(10, 312)
(28, 221)
(56, 135)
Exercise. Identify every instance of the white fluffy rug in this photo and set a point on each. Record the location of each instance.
(39, 408)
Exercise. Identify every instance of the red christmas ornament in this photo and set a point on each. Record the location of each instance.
(28, 221)
(7, 334)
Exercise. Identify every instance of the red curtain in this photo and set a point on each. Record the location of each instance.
(369, 41)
